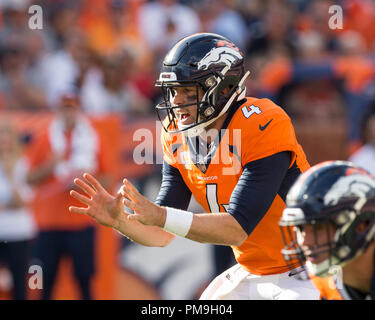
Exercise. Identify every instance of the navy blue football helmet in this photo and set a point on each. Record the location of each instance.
(339, 197)
(207, 61)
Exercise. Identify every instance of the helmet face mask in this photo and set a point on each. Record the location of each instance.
(329, 219)
(315, 257)
(207, 62)
(168, 109)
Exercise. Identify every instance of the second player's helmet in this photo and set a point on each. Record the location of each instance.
(338, 197)
(207, 61)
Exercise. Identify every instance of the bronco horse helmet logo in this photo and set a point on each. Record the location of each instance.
(353, 185)
(225, 53)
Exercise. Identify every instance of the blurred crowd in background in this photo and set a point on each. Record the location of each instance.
(95, 60)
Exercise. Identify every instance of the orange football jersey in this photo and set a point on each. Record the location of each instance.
(257, 129)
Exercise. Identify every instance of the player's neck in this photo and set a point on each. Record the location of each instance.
(213, 129)
(358, 273)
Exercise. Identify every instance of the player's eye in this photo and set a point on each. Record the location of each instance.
(188, 90)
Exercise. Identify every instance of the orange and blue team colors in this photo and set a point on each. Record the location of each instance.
(258, 129)
(327, 288)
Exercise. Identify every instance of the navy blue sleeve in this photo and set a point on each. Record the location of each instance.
(173, 191)
(257, 188)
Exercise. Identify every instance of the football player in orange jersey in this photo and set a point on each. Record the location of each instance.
(330, 223)
(238, 156)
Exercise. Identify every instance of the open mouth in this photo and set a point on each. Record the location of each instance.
(184, 117)
(315, 258)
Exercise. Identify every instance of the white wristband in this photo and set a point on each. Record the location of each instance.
(178, 221)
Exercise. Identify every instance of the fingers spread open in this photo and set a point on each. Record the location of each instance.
(131, 191)
(80, 197)
(131, 205)
(130, 186)
(95, 183)
(123, 192)
(84, 186)
(78, 210)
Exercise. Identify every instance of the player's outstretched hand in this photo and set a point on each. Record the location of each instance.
(145, 211)
(102, 206)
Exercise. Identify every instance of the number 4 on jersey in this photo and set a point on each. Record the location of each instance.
(211, 196)
(249, 110)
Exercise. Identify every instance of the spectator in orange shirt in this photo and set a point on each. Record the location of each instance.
(69, 145)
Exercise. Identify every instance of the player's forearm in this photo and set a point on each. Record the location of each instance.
(151, 236)
(216, 228)
(219, 228)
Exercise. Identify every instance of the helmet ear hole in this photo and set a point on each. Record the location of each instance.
(223, 92)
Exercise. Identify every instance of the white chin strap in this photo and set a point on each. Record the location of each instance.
(320, 269)
(324, 268)
(237, 95)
